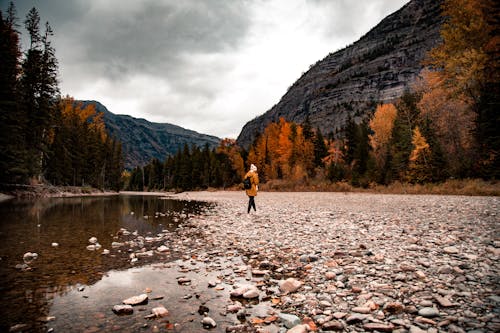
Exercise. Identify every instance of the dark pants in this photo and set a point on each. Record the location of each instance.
(251, 203)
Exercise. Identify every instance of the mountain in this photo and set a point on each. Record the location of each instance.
(143, 140)
(351, 82)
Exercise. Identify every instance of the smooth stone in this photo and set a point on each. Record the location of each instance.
(123, 309)
(299, 329)
(443, 301)
(289, 285)
(428, 312)
(28, 256)
(209, 322)
(333, 325)
(451, 250)
(160, 311)
(289, 320)
(55, 244)
(162, 248)
(361, 309)
(252, 293)
(380, 327)
(136, 300)
(92, 240)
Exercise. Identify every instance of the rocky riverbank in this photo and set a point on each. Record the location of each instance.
(356, 262)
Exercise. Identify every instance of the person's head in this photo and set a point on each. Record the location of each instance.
(253, 168)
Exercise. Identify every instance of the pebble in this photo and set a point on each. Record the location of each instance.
(160, 311)
(123, 309)
(299, 329)
(351, 262)
(136, 300)
(289, 285)
(208, 322)
(289, 320)
(428, 312)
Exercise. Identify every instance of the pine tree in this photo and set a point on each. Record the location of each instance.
(12, 146)
(320, 148)
(38, 92)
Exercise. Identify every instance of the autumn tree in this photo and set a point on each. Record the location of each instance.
(80, 151)
(451, 119)
(467, 64)
(419, 168)
(381, 126)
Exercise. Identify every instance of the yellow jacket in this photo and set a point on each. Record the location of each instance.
(254, 179)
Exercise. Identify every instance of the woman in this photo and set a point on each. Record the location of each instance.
(252, 191)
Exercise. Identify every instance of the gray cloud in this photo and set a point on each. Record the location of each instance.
(208, 65)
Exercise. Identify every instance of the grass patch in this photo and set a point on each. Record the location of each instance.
(450, 187)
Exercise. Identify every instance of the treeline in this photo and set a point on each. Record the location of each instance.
(445, 126)
(43, 137)
(191, 168)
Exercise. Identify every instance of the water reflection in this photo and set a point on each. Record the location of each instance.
(32, 226)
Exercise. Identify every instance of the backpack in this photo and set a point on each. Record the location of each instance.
(247, 184)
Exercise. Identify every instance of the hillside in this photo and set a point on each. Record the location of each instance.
(350, 82)
(143, 140)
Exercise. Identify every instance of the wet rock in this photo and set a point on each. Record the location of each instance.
(203, 310)
(54, 244)
(123, 309)
(18, 328)
(92, 240)
(289, 320)
(247, 289)
(23, 267)
(160, 311)
(30, 256)
(136, 300)
(208, 322)
(184, 280)
(233, 308)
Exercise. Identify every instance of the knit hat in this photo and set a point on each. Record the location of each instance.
(253, 167)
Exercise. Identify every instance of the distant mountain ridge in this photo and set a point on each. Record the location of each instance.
(351, 82)
(143, 140)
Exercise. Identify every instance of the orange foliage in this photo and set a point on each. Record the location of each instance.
(382, 124)
(281, 151)
(87, 115)
(335, 154)
(232, 151)
(449, 115)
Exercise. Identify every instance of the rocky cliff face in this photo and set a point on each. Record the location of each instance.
(351, 82)
(143, 140)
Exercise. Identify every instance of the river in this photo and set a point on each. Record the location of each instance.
(69, 288)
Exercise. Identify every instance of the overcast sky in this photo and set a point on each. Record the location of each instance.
(209, 65)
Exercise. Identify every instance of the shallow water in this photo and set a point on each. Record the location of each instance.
(77, 286)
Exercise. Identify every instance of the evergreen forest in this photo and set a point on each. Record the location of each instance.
(44, 137)
(445, 126)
